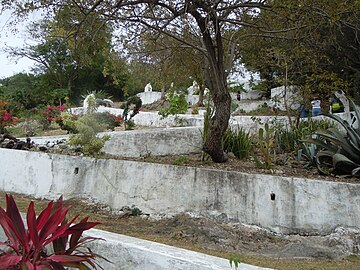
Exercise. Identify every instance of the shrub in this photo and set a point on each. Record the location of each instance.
(110, 121)
(67, 121)
(28, 248)
(238, 142)
(128, 114)
(52, 113)
(266, 148)
(87, 127)
(291, 139)
(178, 105)
(6, 119)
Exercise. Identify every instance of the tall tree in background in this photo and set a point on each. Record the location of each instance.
(72, 53)
(322, 55)
(167, 61)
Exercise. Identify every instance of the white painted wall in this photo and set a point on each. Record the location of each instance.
(129, 253)
(300, 205)
(136, 254)
(156, 142)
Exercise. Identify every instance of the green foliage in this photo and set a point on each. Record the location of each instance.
(22, 92)
(87, 127)
(233, 106)
(129, 113)
(266, 145)
(181, 161)
(238, 142)
(309, 151)
(135, 211)
(178, 104)
(236, 87)
(234, 260)
(290, 139)
(339, 152)
(67, 122)
(110, 121)
(90, 101)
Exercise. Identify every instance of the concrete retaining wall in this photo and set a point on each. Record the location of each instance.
(299, 206)
(129, 253)
(140, 143)
(157, 142)
(136, 254)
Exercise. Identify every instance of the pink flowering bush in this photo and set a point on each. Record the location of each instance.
(6, 119)
(52, 113)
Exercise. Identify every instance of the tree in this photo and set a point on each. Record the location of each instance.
(322, 55)
(70, 55)
(209, 21)
(168, 62)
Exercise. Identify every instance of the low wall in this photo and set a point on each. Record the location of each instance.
(156, 142)
(153, 119)
(284, 205)
(141, 143)
(129, 253)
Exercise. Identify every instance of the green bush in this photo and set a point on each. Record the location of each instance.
(178, 105)
(291, 139)
(87, 127)
(110, 121)
(238, 142)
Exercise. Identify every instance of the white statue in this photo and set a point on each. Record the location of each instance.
(344, 100)
(148, 88)
(194, 88)
(89, 103)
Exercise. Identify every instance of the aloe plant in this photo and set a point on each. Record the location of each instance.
(340, 149)
(26, 249)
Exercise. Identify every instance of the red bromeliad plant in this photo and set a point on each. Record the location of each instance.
(28, 249)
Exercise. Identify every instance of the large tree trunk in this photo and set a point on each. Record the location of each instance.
(218, 123)
(217, 126)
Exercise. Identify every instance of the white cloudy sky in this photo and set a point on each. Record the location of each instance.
(8, 38)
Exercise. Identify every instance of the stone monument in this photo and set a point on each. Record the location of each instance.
(148, 88)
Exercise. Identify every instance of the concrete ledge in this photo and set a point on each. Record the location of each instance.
(140, 143)
(130, 253)
(156, 142)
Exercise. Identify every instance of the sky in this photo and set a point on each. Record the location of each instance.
(9, 67)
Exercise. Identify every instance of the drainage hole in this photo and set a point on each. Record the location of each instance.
(272, 196)
(76, 171)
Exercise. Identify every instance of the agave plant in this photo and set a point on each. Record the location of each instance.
(29, 249)
(340, 149)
